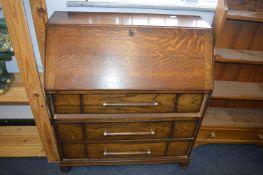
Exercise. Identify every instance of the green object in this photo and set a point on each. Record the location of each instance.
(6, 53)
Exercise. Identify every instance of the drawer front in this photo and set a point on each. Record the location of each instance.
(126, 150)
(230, 134)
(126, 103)
(178, 148)
(129, 103)
(116, 131)
(107, 131)
(125, 130)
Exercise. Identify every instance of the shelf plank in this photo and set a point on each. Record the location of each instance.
(237, 90)
(236, 118)
(18, 131)
(16, 93)
(20, 141)
(245, 15)
(238, 56)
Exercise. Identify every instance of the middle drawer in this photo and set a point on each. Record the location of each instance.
(106, 131)
(125, 130)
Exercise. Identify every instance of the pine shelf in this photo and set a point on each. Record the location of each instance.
(245, 15)
(20, 141)
(238, 56)
(233, 118)
(237, 90)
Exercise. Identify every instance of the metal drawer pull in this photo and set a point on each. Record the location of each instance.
(151, 132)
(147, 152)
(260, 136)
(131, 33)
(129, 104)
(213, 135)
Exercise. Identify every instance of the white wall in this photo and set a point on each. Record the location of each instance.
(60, 5)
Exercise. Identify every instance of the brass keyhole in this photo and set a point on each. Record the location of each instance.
(131, 32)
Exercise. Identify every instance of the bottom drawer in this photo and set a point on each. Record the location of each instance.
(75, 150)
(230, 134)
(78, 150)
(127, 150)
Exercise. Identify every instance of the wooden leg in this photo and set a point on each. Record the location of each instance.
(65, 169)
(184, 165)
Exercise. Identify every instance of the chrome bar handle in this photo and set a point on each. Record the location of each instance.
(107, 153)
(130, 104)
(151, 132)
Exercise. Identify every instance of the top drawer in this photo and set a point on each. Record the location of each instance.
(126, 103)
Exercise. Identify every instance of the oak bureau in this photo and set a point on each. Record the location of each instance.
(127, 88)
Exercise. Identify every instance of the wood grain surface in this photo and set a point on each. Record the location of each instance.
(249, 5)
(73, 150)
(234, 134)
(189, 102)
(20, 141)
(179, 148)
(16, 94)
(238, 90)
(128, 130)
(184, 129)
(40, 17)
(238, 56)
(97, 150)
(107, 57)
(71, 132)
(245, 15)
(250, 10)
(94, 103)
(218, 21)
(106, 102)
(234, 103)
(241, 35)
(238, 72)
(66, 104)
(233, 118)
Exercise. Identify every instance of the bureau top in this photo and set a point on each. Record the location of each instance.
(101, 55)
(126, 19)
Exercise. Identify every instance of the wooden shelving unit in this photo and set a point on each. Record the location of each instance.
(32, 92)
(238, 88)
